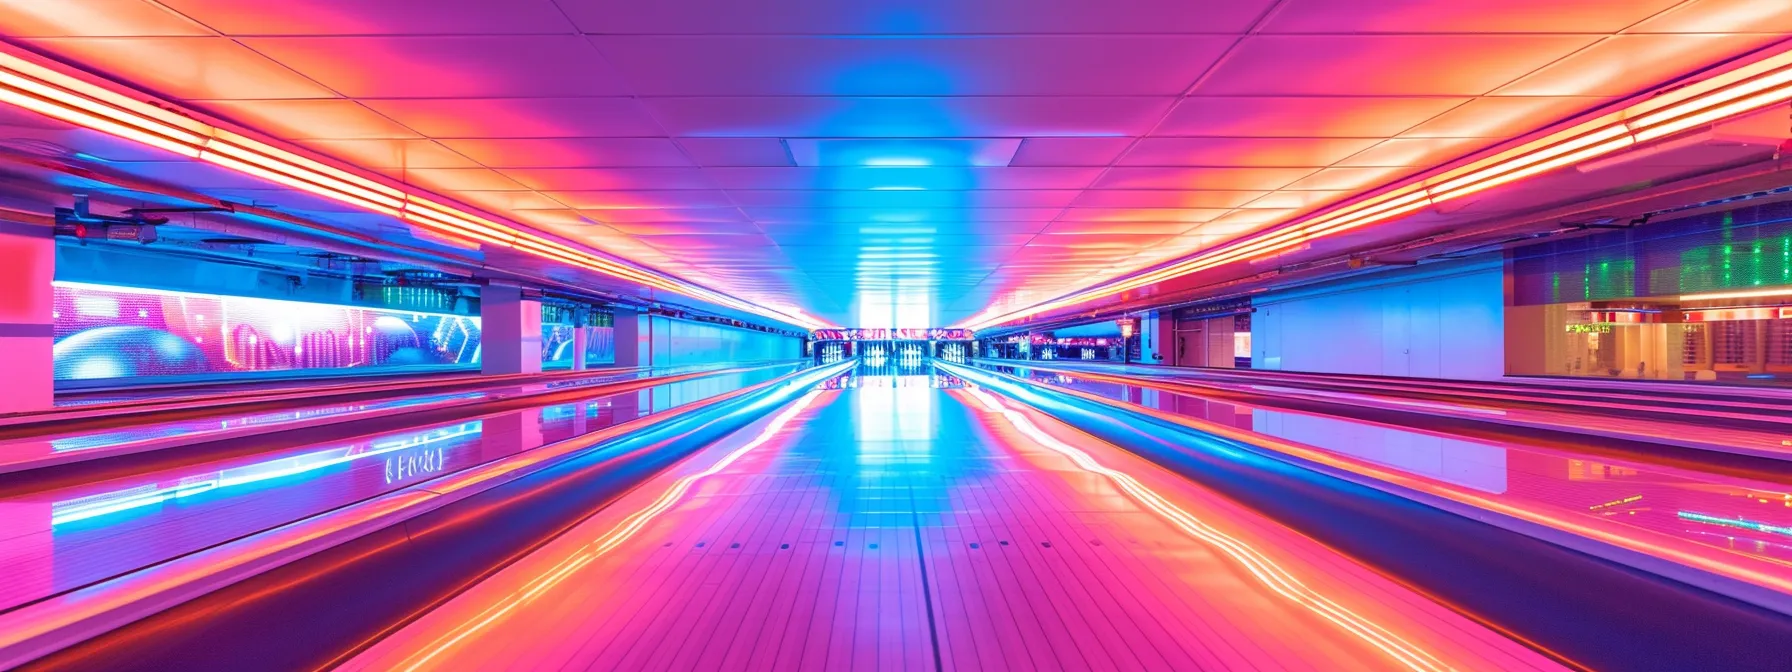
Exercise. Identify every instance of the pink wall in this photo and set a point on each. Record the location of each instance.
(26, 303)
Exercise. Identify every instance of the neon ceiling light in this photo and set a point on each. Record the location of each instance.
(1743, 90)
(52, 94)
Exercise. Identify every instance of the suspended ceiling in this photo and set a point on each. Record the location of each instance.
(895, 163)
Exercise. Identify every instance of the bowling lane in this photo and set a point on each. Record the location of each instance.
(905, 522)
(60, 539)
(1725, 521)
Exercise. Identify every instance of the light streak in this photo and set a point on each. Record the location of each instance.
(1260, 567)
(599, 546)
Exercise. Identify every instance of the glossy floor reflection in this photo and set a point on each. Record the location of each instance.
(903, 521)
(1731, 525)
(64, 538)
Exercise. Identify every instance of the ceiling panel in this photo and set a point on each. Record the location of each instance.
(1463, 16)
(570, 152)
(1384, 65)
(908, 116)
(187, 67)
(1029, 65)
(1722, 16)
(662, 132)
(1262, 152)
(1204, 179)
(1303, 117)
(1165, 198)
(385, 17)
(391, 154)
(1618, 65)
(462, 66)
(894, 17)
(97, 18)
(312, 119)
(521, 117)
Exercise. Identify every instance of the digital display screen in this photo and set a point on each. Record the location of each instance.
(893, 334)
(106, 332)
(557, 344)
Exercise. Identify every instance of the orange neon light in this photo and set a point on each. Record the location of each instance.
(1261, 567)
(1747, 89)
(599, 546)
(44, 91)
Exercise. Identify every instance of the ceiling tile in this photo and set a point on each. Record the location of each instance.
(929, 178)
(648, 199)
(1303, 117)
(1266, 152)
(1417, 152)
(593, 179)
(570, 152)
(1296, 200)
(383, 154)
(886, 17)
(1622, 65)
(1142, 214)
(1101, 227)
(93, 18)
(506, 201)
(908, 117)
(989, 198)
(1348, 179)
(899, 216)
(718, 152)
(521, 117)
(1164, 198)
(189, 68)
(669, 216)
(1091, 151)
(1384, 65)
(1721, 16)
(324, 119)
(1200, 179)
(1502, 117)
(1462, 16)
(558, 220)
(385, 17)
(461, 179)
(1037, 65)
(447, 67)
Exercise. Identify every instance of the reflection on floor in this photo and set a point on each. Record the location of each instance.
(1730, 525)
(906, 522)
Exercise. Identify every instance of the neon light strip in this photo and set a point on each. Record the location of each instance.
(1260, 566)
(46, 92)
(599, 546)
(1735, 522)
(1748, 89)
(1747, 294)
